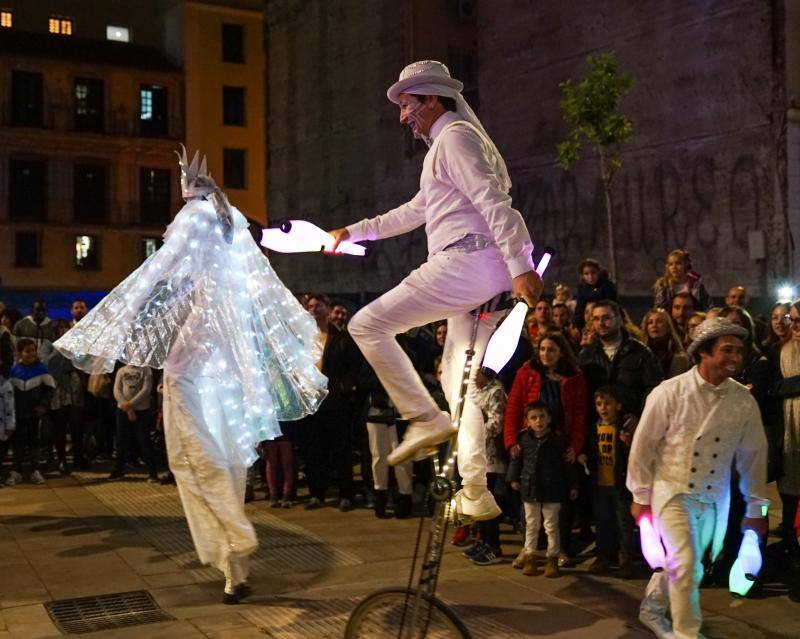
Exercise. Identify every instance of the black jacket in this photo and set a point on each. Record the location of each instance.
(341, 364)
(541, 471)
(634, 372)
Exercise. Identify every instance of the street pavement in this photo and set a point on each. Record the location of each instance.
(81, 536)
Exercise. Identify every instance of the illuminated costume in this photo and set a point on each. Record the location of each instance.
(238, 353)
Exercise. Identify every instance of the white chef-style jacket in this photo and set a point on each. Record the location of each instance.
(459, 195)
(689, 434)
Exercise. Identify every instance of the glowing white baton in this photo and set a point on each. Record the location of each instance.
(652, 549)
(301, 236)
(504, 341)
(747, 565)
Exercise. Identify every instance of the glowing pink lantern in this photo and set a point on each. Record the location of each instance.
(652, 549)
(301, 236)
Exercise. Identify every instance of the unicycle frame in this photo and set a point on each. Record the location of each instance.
(422, 585)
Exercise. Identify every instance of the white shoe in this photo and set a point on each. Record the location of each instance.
(13, 478)
(464, 510)
(36, 477)
(659, 624)
(422, 435)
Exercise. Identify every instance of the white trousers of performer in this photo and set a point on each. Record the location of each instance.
(535, 512)
(687, 529)
(448, 285)
(210, 487)
(382, 441)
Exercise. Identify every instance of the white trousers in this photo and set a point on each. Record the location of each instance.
(382, 441)
(535, 512)
(687, 529)
(210, 487)
(448, 285)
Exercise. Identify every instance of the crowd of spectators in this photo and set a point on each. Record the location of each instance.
(559, 419)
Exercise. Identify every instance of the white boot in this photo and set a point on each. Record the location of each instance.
(422, 435)
(473, 503)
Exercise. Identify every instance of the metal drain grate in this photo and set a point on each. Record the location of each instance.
(120, 610)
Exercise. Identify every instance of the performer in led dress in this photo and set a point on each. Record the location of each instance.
(238, 353)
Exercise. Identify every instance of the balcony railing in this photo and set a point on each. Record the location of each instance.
(118, 121)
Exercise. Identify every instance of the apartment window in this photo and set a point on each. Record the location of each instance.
(89, 104)
(26, 98)
(234, 168)
(6, 19)
(233, 106)
(154, 195)
(150, 245)
(61, 25)
(27, 249)
(26, 189)
(232, 43)
(87, 252)
(119, 34)
(152, 110)
(90, 193)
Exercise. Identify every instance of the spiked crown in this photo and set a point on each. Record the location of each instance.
(195, 179)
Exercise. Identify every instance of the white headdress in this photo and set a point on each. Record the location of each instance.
(429, 77)
(196, 182)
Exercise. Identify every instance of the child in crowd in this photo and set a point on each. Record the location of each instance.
(607, 446)
(492, 400)
(594, 286)
(280, 465)
(564, 296)
(679, 278)
(543, 479)
(8, 422)
(133, 386)
(33, 392)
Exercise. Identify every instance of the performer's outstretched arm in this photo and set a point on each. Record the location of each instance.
(403, 219)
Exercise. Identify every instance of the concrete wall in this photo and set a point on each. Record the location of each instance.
(700, 172)
(336, 150)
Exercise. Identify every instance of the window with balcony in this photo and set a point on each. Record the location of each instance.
(27, 98)
(153, 110)
(27, 188)
(234, 168)
(6, 19)
(232, 43)
(87, 252)
(27, 249)
(61, 25)
(89, 104)
(118, 34)
(154, 196)
(89, 200)
(233, 106)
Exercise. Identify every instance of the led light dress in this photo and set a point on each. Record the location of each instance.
(238, 353)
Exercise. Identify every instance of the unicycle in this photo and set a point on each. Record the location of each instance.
(414, 612)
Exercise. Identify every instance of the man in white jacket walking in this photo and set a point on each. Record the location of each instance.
(693, 427)
(478, 247)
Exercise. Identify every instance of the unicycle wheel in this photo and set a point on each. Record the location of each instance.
(389, 613)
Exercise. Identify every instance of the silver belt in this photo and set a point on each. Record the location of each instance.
(468, 244)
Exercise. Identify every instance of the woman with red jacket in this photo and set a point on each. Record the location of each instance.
(552, 376)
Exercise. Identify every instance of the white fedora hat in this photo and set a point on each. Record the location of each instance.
(429, 72)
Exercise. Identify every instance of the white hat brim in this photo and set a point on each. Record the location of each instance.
(402, 86)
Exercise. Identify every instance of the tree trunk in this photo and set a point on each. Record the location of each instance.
(606, 174)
